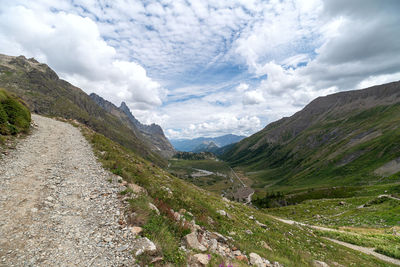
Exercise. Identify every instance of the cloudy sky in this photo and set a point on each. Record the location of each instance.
(206, 68)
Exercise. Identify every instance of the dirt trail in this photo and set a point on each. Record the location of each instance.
(369, 251)
(58, 206)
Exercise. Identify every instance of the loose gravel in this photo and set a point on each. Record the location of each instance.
(58, 206)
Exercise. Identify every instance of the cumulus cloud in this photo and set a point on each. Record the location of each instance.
(253, 97)
(73, 46)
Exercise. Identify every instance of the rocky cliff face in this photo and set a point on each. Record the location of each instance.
(153, 135)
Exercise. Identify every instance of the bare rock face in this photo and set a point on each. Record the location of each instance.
(192, 242)
(152, 135)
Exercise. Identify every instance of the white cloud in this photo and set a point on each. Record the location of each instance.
(72, 45)
(242, 87)
(378, 79)
(253, 97)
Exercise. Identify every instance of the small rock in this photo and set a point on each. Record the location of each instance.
(249, 232)
(237, 253)
(192, 242)
(177, 216)
(221, 212)
(202, 259)
(261, 225)
(320, 264)
(153, 207)
(265, 245)
(242, 258)
(256, 260)
(182, 211)
(136, 230)
(144, 245)
(137, 189)
(213, 244)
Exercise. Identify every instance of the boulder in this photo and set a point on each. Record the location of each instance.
(192, 242)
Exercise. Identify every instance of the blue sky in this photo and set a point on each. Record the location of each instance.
(207, 68)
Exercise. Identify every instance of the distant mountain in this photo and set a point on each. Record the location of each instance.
(347, 138)
(44, 93)
(195, 145)
(152, 135)
(206, 146)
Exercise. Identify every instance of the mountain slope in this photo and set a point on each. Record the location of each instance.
(43, 91)
(152, 135)
(190, 145)
(342, 139)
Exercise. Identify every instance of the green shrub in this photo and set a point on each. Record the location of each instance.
(14, 116)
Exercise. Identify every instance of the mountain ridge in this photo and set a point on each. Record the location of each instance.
(190, 145)
(152, 135)
(46, 94)
(332, 137)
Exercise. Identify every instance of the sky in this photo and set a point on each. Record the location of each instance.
(208, 68)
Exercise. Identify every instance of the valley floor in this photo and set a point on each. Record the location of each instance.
(58, 206)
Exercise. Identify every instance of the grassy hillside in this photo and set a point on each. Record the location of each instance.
(289, 245)
(46, 94)
(14, 115)
(350, 138)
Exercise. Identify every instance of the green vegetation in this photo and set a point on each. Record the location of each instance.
(289, 244)
(14, 116)
(367, 211)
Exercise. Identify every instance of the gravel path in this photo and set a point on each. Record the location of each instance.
(369, 251)
(58, 206)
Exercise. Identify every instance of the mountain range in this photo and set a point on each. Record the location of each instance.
(205, 144)
(347, 138)
(45, 93)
